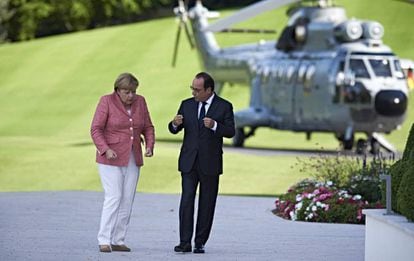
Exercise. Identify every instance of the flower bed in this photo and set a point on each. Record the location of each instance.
(314, 201)
(340, 189)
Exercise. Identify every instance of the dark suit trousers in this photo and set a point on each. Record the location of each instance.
(206, 204)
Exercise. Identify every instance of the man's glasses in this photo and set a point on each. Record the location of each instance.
(195, 89)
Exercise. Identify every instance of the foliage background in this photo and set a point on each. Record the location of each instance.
(28, 19)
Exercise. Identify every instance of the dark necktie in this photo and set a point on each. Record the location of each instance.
(202, 115)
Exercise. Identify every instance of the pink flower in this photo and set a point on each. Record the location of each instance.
(359, 214)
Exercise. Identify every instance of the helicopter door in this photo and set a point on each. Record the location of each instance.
(297, 95)
(281, 92)
(306, 102)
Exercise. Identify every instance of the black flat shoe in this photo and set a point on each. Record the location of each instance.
(122, 248)
(199, 249)
(183, 247)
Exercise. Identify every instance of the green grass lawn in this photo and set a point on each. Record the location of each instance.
(49, 89)
(32, 164)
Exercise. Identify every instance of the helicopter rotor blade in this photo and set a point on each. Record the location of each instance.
(246, 13)
(187, 32)
(177, 41)
(247, 30)
(182, 15)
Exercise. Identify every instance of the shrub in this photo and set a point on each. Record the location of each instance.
(396, 172)
(366, 180)
(356, 175)
(404, 197)
(337, 169)
(409, 146)
(405, 202)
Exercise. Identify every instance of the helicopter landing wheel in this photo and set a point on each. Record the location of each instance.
(239, 137)
(361, 146)
(347, 144)
(375, 146)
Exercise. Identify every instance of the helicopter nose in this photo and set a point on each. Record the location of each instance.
(391, 103)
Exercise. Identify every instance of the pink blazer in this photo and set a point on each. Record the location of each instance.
(112, 127)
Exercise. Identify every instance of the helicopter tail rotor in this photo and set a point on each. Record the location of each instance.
(182, 15)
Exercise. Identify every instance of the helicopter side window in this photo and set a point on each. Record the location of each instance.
(310, 72)
(280, 72)
(289, 73)
(358, 67)
(301, 72)
(381, 67)
(398, 70)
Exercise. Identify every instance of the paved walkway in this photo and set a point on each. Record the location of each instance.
(63, 225)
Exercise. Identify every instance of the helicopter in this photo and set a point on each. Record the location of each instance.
(325, 73)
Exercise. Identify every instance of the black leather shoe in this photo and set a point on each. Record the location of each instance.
(199, 249)
(183, 247)
(121, 248)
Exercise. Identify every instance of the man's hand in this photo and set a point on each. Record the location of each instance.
(178, 120)
(110, 154)
(148, 152)
(208, 122)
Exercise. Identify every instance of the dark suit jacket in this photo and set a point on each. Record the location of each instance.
(204, 142)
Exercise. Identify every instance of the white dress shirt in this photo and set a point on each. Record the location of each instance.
(207, 106)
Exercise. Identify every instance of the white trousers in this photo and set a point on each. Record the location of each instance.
(119, 184)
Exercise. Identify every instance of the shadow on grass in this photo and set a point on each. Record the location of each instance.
(249, 150)
(257, 150)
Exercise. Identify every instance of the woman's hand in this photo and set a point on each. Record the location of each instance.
(110, 154)
(148, 152)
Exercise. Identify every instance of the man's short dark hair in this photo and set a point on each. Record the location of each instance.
(208, 80)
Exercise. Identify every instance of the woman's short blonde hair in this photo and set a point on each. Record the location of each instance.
(126, 81)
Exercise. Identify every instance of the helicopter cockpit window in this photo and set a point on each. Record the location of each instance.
(398, 70)
(381, 67)
(358, 67)
(357, 93)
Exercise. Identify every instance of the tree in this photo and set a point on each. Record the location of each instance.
(25, 18)
(5, 15)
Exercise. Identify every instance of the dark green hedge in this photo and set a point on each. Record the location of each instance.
(405, 197)
(396, 171)
(28, 19)
(404, 177)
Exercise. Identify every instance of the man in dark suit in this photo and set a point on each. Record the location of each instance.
(206, 119)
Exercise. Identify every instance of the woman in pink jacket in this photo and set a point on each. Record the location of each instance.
(121, 120)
